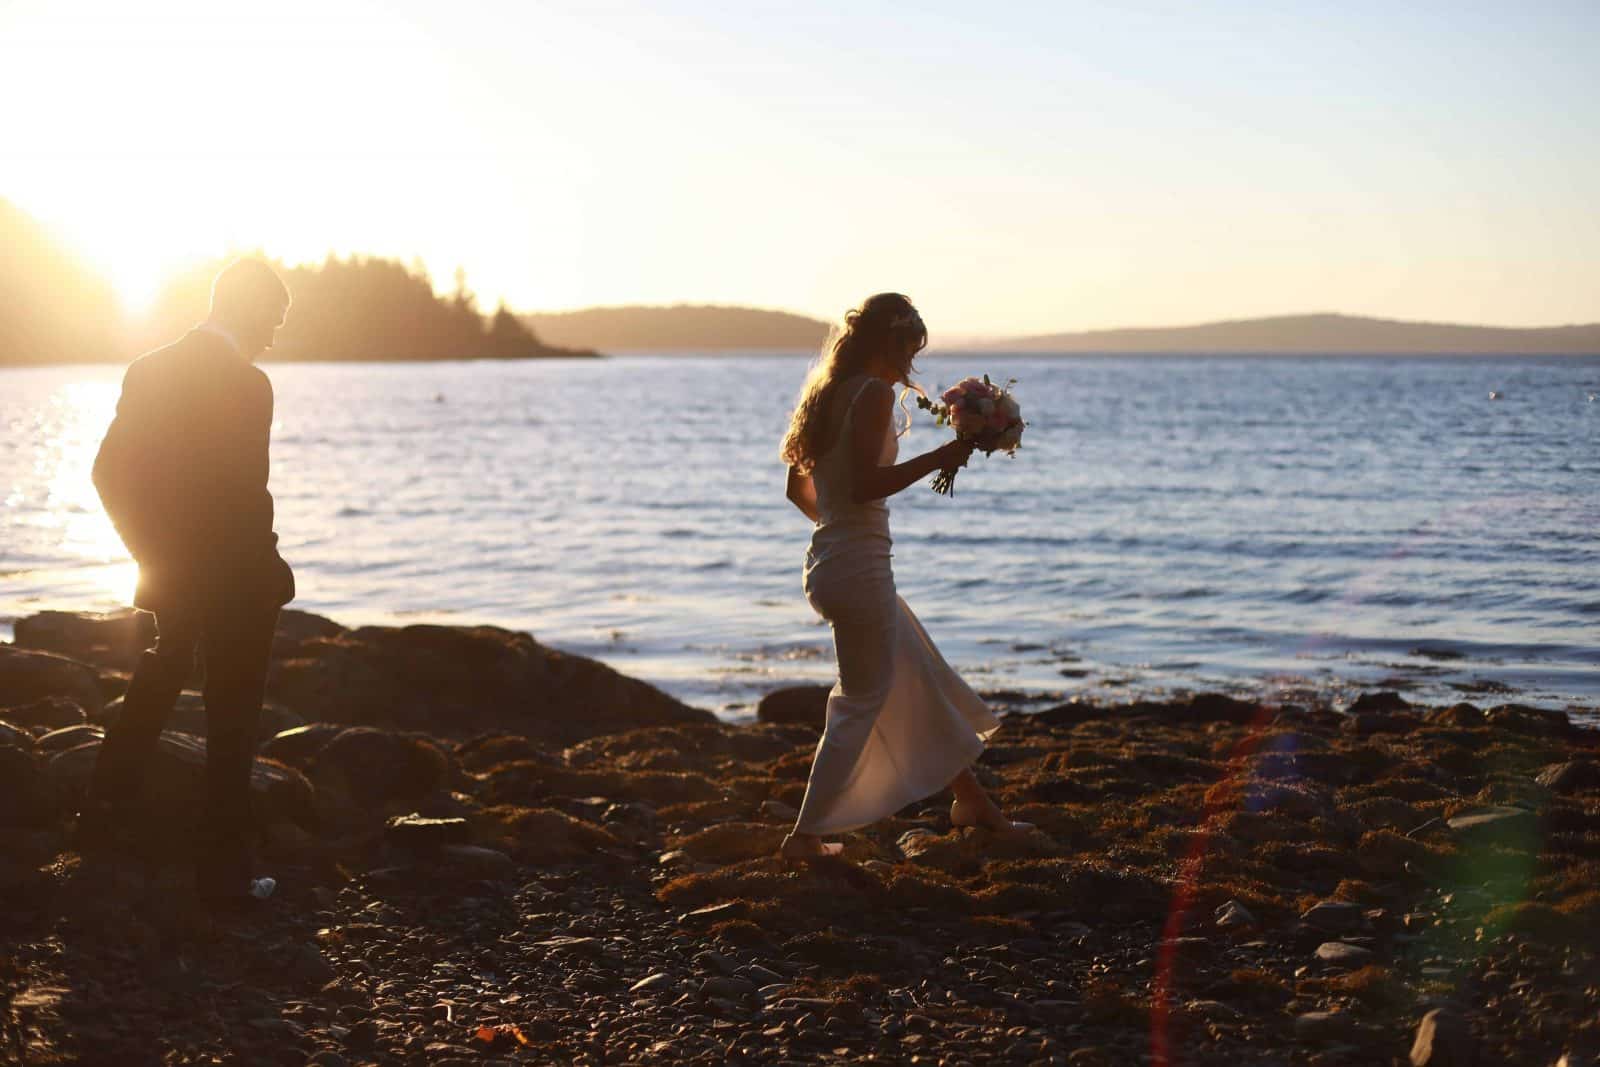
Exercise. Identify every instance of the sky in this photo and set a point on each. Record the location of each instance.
(1016, 168)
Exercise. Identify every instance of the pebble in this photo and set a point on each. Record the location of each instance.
(1234, 915)
(1501, 824)
(762, 976)
(656, 981)
(730, 988)
(1341, 954)
(1443, 1040)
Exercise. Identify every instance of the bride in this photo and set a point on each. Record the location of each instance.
(901, 725)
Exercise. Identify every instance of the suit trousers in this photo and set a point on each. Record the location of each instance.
(235, 642)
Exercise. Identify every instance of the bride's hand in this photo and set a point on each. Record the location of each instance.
(954, 454)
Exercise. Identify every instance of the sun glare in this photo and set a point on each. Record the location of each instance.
(162, 135)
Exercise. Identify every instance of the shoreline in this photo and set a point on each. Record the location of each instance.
(489, 848)
(730, 684)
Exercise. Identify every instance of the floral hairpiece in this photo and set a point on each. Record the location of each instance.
(910, 318)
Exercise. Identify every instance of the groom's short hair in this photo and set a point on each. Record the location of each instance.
(248, 288)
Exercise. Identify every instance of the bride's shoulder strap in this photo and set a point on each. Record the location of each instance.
(860, 389)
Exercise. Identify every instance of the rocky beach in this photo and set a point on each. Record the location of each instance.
(491, 851)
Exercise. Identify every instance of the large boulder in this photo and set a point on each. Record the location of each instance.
(114, 639)
(27, 676)
(25, 796)
(14, 736)
(804, 705)
(458, 680)
(1519, 718)
(173, 796)
(450, 680)
(373, 768)
(51, 713)
(297, 627)
(1383, 702)
(69, 737)
(299, 745)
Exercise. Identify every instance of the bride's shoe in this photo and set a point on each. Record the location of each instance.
(997, 823)
(796, 851)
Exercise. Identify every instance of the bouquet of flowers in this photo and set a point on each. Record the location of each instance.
(979, 411)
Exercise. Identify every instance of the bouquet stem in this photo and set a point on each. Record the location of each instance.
(945, 481)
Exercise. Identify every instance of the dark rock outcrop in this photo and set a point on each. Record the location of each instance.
(27, 677)
(113, 639)
(69, 737)
(451, 681)
(365, 773)
(51, 713)
(189, 716)
(1381, 702)
(458, 681)
(174, 791)
(804, 705)
(15, 736)
(25, 797)
(299, 745)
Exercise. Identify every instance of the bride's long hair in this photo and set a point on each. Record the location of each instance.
(868, 331)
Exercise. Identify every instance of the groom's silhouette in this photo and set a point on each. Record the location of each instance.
(183, 474)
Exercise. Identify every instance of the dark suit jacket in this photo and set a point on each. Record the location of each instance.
(183, 474)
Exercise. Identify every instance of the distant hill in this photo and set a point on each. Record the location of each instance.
(678, 326)
(1322, 334)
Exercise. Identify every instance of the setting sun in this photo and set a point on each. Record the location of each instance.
(160, 136)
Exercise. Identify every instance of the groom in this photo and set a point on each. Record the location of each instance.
(183, 474)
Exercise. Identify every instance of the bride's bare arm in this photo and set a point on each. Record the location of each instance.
(868, 427)
(802, 492)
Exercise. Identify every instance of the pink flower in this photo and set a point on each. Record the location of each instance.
(998, 419)
(968, 422)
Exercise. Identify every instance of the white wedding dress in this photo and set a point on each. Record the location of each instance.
(901, 724)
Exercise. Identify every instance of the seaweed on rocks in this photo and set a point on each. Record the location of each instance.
(466, 872)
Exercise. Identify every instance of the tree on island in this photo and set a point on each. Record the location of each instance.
(366, 308)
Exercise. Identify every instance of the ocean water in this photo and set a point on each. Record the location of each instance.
(1273, 526)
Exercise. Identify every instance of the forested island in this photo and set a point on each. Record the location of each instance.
(57, 310)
